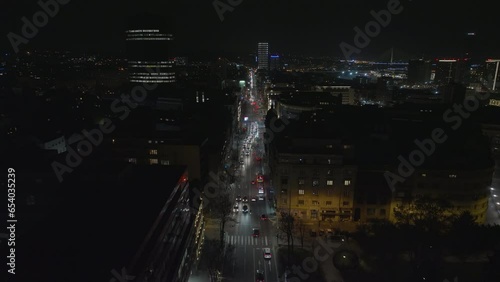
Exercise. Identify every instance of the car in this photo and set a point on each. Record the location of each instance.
(242, 162)
(255, 232)
(236, 208)
(238, 198)
(254, 199)
(245, 199)
(261, 191)
(263, 217)
(245, 208)
(261, 198)
(259, 276)
(260, 178)
(267, 253)
(247, 154)
(253, 182)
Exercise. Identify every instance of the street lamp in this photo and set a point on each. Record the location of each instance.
(496, 70)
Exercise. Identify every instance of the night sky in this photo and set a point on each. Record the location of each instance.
(312, 27)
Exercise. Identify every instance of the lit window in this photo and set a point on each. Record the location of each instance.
(452, 176)
(424, 174)
(153, 152)
(164, 162)
(132, 160)
(347, 182)
(153, 161)
(301, 181)
(329, 182)
(30, 200)
(315, 203)
(301, 192)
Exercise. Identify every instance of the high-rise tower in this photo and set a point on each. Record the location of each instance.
(148, 51)
(263, 56)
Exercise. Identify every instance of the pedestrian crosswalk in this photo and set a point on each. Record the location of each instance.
(247, 240)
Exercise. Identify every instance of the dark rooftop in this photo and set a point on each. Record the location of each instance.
(109, 209)
(380, 136)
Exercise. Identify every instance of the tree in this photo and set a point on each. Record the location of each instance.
(423, 223)
(221, 208)
(301, 230)
(463, 228)
(428, 213)
(286, 226)
(214, 259)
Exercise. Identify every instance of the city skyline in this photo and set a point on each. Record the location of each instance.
(250, 141)
(321, 27)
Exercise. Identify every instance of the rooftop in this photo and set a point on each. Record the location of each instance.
(108, 210)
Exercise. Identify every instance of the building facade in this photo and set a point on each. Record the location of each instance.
(312, 179)
(149, 55)
(163, 151)
(419, 71)
(263, 56)
(466, 190)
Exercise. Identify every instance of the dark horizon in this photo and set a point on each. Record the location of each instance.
(310, 29)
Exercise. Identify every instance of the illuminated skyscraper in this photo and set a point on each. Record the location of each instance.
(148, 46)
(275, 63)
(450, 71)
(263, 56)
(470, 48)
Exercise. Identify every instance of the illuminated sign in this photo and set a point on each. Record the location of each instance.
(494, 102)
